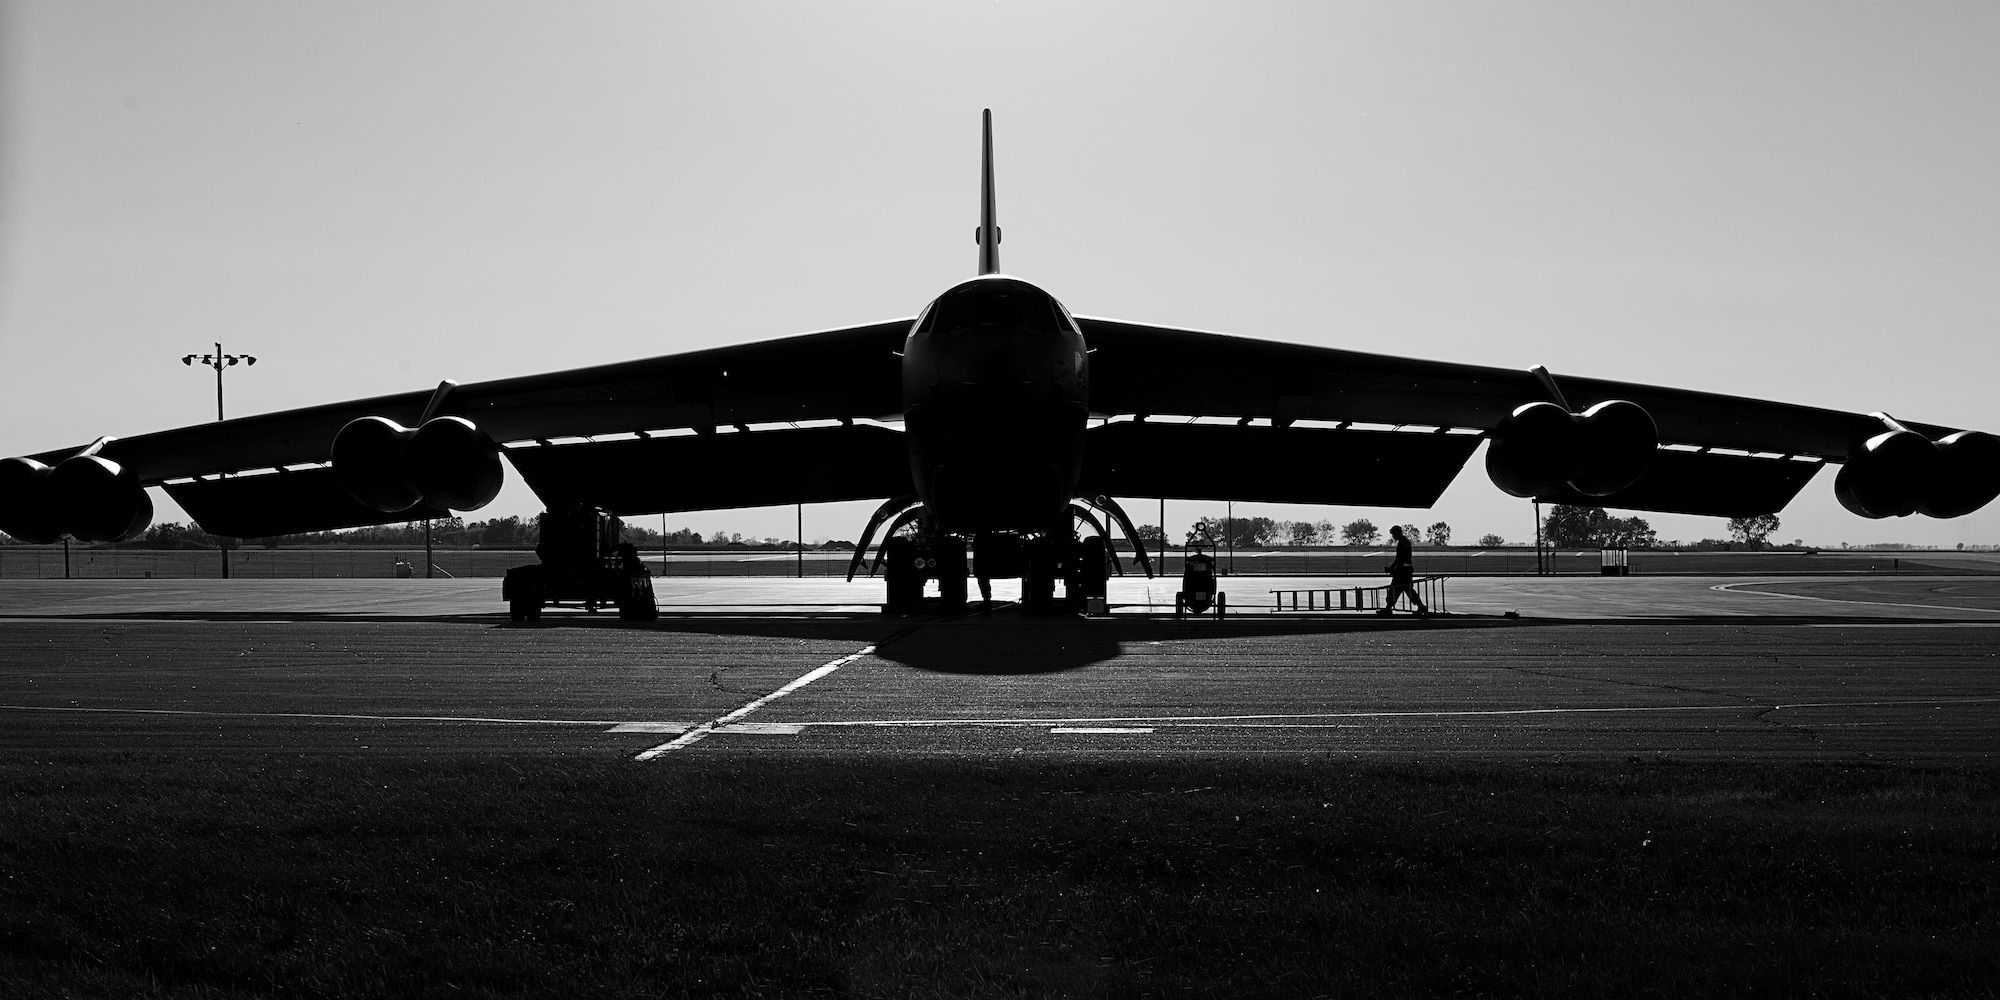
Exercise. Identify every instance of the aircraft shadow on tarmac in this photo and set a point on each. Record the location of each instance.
(994, 641)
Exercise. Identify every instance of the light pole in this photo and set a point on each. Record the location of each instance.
(219, 361)
(1231, 532)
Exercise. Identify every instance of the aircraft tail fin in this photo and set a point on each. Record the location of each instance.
(988, 233)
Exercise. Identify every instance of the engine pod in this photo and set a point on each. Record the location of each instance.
(1968, 475)
(368, 459)
(1617, 442)
(1890, 475)
(454, 464)
(27, 506)
(1534, 450)
(98, 500)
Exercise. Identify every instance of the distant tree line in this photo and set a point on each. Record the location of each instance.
(1266, 533)
(1574, 527)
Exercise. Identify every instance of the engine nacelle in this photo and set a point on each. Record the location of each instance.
(1968, 474)
(454, 464)
(1540, 446)
(448, 461)
(368, 461)
(1890, 475)
(27, 507)
(1619, 439)
(1534, 450)
(98, 500)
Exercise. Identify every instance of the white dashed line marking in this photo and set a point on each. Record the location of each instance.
(1099, 730)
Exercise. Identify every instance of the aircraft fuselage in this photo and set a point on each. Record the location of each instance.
(996, 389)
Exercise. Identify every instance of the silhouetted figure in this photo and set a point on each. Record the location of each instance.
(1402, 574)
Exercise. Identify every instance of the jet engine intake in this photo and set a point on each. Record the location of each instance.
(1540, 446)
(454, 464)
(99, 500)
(27, 506)
(1968, 474)
(1534, 450)
(1889, 476)
(448, 461)
(1619, 439)
(1901, 472)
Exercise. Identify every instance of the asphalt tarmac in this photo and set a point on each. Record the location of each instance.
(1890, 669)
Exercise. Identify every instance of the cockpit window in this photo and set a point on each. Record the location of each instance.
(1063, 318)
(1023, 308)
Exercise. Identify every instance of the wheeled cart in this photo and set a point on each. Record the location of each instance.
(1198, 591)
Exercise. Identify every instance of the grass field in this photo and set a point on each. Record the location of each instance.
(47, 562)
(739, 875)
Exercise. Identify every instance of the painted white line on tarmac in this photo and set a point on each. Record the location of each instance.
(1904, 625)
(1100, 730)
(699, 733)
(1730, 588)
(1889, 704)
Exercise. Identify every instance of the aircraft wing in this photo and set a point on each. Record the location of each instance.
(547, 424)
(1334, 426)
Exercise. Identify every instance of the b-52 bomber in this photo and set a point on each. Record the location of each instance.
(997, 425)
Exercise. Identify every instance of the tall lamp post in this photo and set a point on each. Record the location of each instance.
(219, 361)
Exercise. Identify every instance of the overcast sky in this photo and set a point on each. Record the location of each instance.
(1793, 201)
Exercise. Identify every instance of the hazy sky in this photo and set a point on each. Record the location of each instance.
(1787, 200)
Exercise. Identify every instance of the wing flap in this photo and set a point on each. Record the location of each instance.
(1682, 482)
(281, 503)
(715, 471)
(1272, 464)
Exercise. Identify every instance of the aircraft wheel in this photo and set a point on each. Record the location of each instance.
(951, 574)
(1038, 575)
(904, 580)
(1091, 574)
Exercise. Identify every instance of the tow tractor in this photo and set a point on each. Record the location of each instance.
(584, 563)
(1198, 579)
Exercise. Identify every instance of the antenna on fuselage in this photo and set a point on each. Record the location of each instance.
(988, 233)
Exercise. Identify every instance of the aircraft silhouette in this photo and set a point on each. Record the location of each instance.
(996, 421)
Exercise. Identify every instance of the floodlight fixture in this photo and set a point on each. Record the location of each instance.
(219, 361)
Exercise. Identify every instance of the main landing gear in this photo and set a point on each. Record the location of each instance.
(1075, 552)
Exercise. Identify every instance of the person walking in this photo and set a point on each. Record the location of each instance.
(1402, 575)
